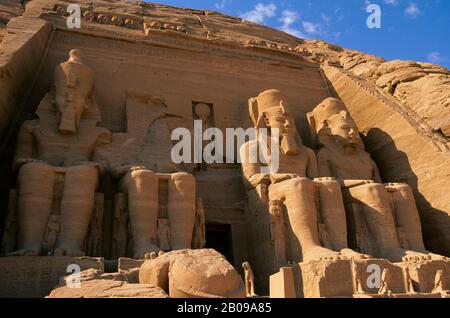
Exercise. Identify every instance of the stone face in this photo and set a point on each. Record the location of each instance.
(193, 273)
(96, 176)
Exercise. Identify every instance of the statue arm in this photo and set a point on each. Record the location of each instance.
(100, 149)
(251, 171)
(376, 173)
(323, 166)
(119, 170)
(312, 171)
(24, 148)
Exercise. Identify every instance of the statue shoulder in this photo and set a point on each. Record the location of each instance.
(323, 153)
(30, 124)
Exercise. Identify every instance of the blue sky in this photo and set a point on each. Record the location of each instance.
(410, 29)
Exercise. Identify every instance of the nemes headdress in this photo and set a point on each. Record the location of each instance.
(325, 110)
(328, 111)
(266, 102)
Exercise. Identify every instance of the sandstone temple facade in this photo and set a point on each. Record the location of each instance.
(358, 206)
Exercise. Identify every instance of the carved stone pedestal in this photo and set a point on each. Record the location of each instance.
(423, 274)
(326, 278)
(367, 273)
(282, 284)
(35, 276)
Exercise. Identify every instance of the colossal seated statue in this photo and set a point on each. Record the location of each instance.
(380, 214)
(161, 199)
(308, 203)
(60, 146)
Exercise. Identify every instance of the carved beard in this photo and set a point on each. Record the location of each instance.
(289, 145)
(67, 124)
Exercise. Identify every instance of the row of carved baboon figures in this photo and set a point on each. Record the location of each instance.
(129, 22)
(135, 23)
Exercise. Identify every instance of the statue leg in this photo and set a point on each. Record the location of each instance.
(35, 181)
(77, 204)
(181, 210)
(142, 188)
(375, 205)
(298, 197)
(332, 211)
(407, 217)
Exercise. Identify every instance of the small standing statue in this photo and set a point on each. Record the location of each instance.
(199, 236)
(357, 280)
(438, 282)
(52, 233)
(278, 231)
(386, 280)
(408, 281)
(249, 280)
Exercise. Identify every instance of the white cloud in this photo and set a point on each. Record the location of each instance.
(391, 2)
(325, 18)
(220, 5)
(288, 18)
(260, 13)
(412, 10)
(311, 28)
(436, 57)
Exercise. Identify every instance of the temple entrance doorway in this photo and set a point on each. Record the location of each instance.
(218, 237)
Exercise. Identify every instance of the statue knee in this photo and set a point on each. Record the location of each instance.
(300, 183)
(403, 189)
(143, 176)
(184, 178)
(36, 171)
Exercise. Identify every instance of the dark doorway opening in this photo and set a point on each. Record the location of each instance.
(218, 237)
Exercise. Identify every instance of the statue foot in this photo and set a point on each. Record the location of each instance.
(321, 253)
(349, 253)
(25, 252)
(145, 249)
(73, 252)
(400, 255)
(437, 257)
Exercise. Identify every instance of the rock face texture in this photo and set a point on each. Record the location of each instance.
(86, 116)
(100, 288)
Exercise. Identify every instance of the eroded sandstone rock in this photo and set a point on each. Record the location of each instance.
(105, 288)
(193, 273)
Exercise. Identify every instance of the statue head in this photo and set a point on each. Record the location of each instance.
(202, 111)
(73, 88)
(269, 110)
(76, 56)
(334, 124)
